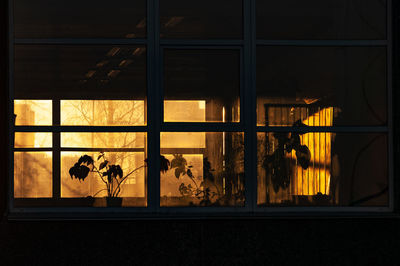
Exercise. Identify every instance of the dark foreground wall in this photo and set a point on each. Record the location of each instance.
(262, 242)
(327, 241)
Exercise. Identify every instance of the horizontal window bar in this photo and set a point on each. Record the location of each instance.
(83, 149)
(192, 212)
(323, 129)
(33, 149)
(339, 210)
(200, 127)
(80, 128)
(81, 41)
(322, 42)
(180, 42)
(182, 150)
(104, 149)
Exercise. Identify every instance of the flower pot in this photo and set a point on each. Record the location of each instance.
(114, 202)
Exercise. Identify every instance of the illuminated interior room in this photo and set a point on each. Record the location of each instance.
(130, 113)
(200, 132)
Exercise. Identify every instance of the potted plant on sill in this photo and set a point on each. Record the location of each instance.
(111, 175)
(206, 191)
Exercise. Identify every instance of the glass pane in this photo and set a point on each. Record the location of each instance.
(192, 140)
(80, 72)
(321, 86)
(104, 140)
(315, 19)
(33, 140)
(33, 175)
(322, 169)
(102, 113)
(209, 174)
(80, 19)
(33, 112)
(202, 86)
(185, 111)
(132, 188)
(205, 19)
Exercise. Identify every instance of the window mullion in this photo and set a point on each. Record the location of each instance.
(389, 85)
(153, 109)
(56, 151)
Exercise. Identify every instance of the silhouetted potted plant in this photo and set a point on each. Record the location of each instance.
(111, 175)
(203, 190)
(276, 162)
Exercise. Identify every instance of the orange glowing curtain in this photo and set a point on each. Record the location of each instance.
(317, 177)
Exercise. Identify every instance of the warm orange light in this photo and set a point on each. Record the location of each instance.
(33, 174)
(317, 177)
(33, 140)
(102, 112)
(185, 111)
(33, 112)
(169, 184)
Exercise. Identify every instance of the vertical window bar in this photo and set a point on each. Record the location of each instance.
(249, 107)
(11, 122)
(389, 62)
(153, 140)
(56, 151)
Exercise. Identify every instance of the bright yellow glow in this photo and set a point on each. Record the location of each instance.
(33, 112)
(183, 140)
(317, 177)
(169, 182)
(133, 187)
(103, 112)
(33, 140)
(103, 140)
(32, 174)
(185, 111)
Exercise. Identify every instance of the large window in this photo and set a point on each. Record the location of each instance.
(173, 107)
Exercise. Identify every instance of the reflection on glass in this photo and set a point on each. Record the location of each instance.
(288, 115)
(103, 140)
(205, 19)
(80, 19)
(314, 19)
(296, 82)
(102, 113)
(202, 86)
(32, 174)
(185, 111)
(209, 174)
(80, 72)
(33, 140)
(33, 112)
(132, 188)
(322, 169)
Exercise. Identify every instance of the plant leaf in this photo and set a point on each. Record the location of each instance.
(178, 161)
(189, 173)
(303, 155)
(86, 159)
(79, 171)
(164, 164)
(178, 171)
(118, 171)
(103, 164)
(100, 155)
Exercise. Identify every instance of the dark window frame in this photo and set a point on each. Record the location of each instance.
(155, 125)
